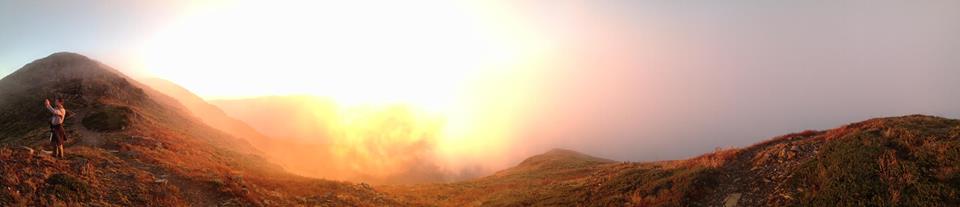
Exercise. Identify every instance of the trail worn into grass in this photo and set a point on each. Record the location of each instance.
(757, 175)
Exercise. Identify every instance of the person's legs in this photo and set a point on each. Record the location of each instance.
(63, 134)
(63, 138)
(59, 136)
(53, 137)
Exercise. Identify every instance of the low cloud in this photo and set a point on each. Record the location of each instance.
(391, 144)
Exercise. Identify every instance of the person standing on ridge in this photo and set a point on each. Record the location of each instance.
(56, 126)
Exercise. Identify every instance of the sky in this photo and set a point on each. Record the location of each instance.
(627, 80)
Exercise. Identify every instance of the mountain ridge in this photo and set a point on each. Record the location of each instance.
(908, 160)
(135, 146)
(205, 112)
(131, 145)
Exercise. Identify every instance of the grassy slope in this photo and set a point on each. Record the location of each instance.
(899, 161)
(908, 161)
(151, 154)
(559, 178)
(161, 157)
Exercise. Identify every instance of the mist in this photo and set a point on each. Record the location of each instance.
(317, 137)
(647, 81)
(625, 80)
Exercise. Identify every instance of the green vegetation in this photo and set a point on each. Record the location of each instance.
(909, 161)
(108, 118)
(155, 153)
(899, 161)
(659, 187)
(19, 121)
(162, 157)
(66, 187)
(567, 178)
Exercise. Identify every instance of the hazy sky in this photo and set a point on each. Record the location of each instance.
(629, 80)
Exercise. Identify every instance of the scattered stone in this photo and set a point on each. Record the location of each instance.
(28, 149)
(364, 186)
(788, 197)
(732, 200)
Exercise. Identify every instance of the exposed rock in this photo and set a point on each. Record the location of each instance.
(27, 149)
(788, 197)
(732, 200)
(364, 186)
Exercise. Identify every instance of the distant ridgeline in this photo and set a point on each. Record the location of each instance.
(134, 146)
(131, 145)
(899, 161)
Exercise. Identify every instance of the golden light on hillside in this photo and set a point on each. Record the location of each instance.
(462, 67)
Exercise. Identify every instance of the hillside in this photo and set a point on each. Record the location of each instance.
(298, 142)
(206, 112)
(898, 161)
(133, 146)
(311, 116)
(382, 144)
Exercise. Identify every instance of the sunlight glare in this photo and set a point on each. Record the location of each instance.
(433, 56)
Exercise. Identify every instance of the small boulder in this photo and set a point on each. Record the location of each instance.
(26, 149)
(732, 200)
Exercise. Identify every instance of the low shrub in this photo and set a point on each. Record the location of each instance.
(108, 118)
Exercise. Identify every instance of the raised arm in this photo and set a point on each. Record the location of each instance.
(46, 102)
